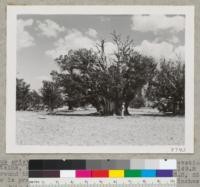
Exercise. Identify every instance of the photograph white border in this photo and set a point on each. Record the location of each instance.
(13, 11)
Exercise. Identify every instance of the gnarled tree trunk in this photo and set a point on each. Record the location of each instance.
(110, 107)
(126, 112)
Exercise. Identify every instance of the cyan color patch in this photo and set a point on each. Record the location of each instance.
(148, 173)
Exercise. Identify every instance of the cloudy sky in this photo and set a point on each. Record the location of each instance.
(41, 38)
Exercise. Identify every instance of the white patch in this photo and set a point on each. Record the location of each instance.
(24, 38)
(49, 28)
(155, 23)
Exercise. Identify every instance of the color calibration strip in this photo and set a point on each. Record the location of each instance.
(99, 173)
(102, 171)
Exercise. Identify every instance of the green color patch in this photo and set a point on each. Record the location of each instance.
(132, 173)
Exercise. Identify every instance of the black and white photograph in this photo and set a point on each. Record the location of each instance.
(100, 79)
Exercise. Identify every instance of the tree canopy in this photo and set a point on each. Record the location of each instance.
(51, 95)
(22, 94)
(88, 76)
(167, 89)
(109, 81)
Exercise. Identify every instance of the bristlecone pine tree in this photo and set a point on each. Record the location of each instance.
(167, 89)
(51, 95)
(91, 77)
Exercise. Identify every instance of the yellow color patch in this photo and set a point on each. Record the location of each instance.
(116, 173)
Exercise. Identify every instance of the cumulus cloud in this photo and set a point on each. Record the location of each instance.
(155, 23)
(24, 38)
(49, 28)
(174, 39)
(73, 40)
(160, 50)
(76, 39)
(92, 32)
(110, 48)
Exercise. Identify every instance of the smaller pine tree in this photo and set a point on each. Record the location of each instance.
(51, 95)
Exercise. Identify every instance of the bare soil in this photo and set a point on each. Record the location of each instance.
(142, 127)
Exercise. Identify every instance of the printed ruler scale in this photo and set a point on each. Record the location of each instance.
(106, 185)
(138, 173)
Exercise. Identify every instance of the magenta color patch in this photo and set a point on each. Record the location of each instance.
(83, 173)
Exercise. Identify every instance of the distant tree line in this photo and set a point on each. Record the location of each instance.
(27, 99)
(90, 77)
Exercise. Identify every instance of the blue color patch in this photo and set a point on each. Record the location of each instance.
(148, 173)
